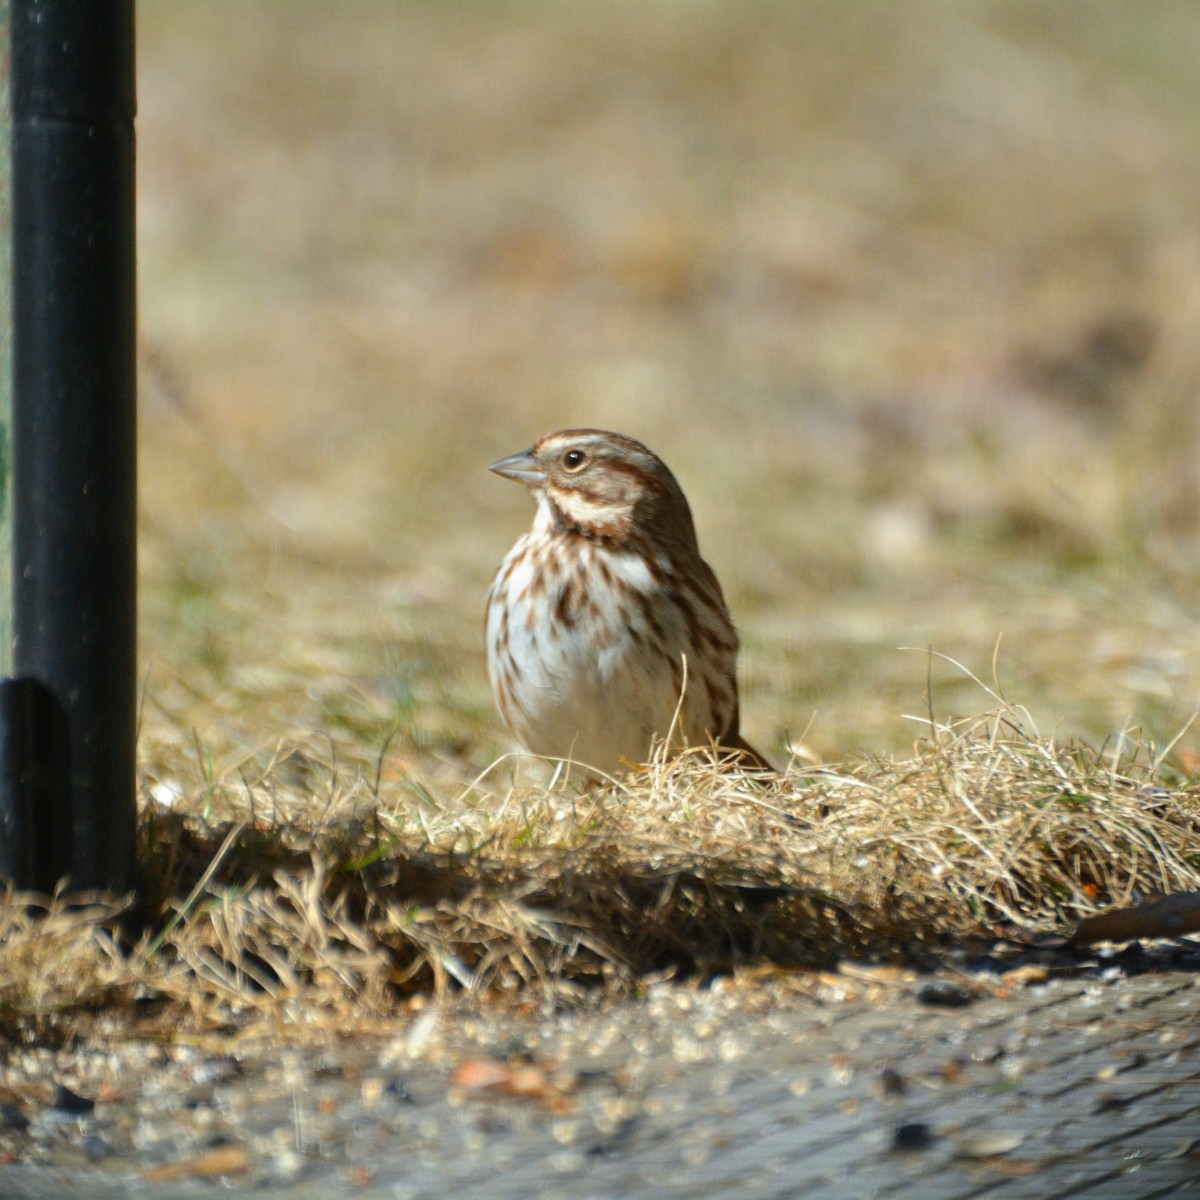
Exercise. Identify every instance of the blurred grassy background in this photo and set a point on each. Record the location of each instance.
(906, 293)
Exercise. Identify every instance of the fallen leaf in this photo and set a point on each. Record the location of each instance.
(224, 1160)
(881, 973)
(1024, 976)
(523, 1080)
(1014, 1166)
(953, 1070)
(1162, 917)
(481, 1074)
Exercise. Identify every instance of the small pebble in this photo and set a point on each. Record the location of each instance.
(11, 1117)
(96, 1148)
(941, 993)
(987, 1145)
(285, 1166)
(988, 1054)
(912, 1135)
(67, 1101)
(214, 1070)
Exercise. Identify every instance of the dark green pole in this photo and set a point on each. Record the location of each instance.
(67, 711)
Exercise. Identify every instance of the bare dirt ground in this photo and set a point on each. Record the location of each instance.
(1003, 1078)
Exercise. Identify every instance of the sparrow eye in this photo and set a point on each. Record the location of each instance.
(573, 460)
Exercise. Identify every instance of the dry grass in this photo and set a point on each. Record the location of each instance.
(534, 895)
(906, 296)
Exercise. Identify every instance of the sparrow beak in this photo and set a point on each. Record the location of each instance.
(523, 468)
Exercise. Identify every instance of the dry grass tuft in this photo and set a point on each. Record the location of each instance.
(537, 893)
(57, 959)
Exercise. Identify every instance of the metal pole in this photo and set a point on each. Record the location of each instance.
(5, 353)
(67, 718)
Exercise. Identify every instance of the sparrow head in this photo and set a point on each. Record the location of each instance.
(603, 485)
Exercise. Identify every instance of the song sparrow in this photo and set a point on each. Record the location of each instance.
(603, 610)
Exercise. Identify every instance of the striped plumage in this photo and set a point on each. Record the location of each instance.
(594, 611)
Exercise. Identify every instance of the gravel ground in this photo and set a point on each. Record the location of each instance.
(1010, 1079)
